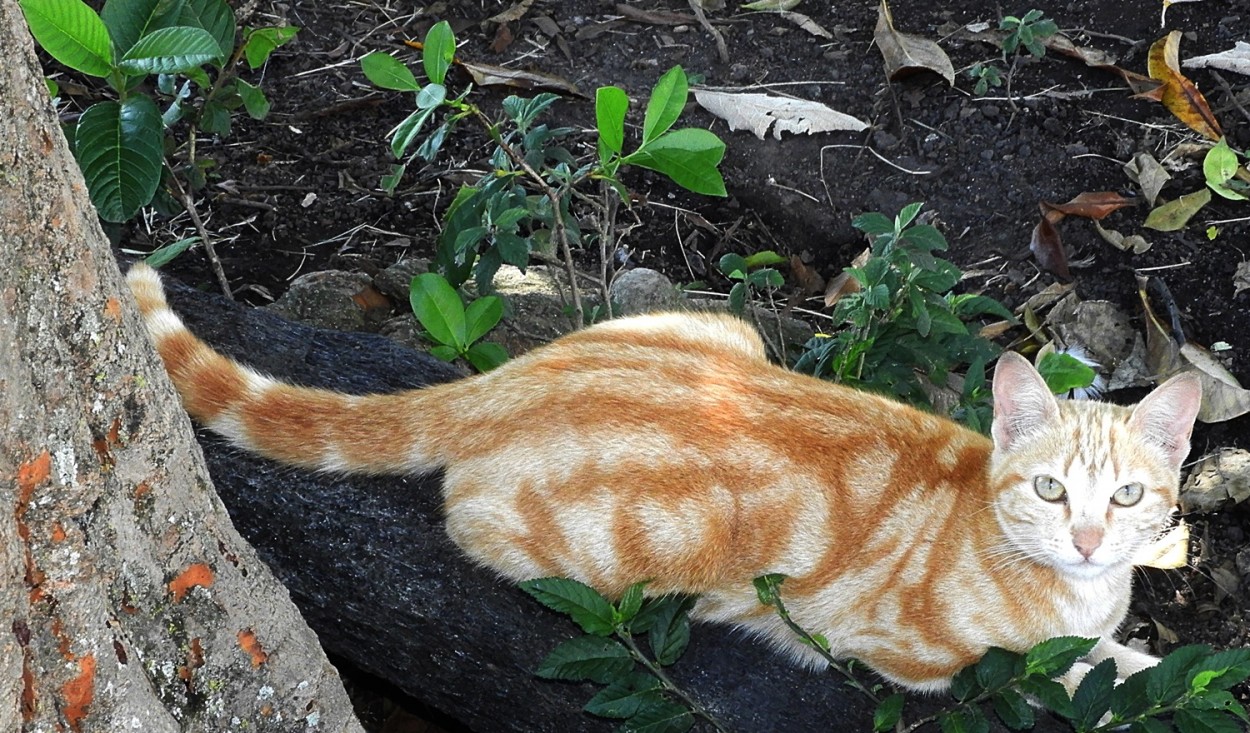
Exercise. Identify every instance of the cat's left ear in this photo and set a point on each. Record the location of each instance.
(1166, 417)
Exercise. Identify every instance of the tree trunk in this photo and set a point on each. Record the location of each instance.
(130, 601)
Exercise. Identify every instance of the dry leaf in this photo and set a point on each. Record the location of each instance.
(843, 283)
(772, 5)
(1174, 215)
(806, 23)
(1146, 172)
(1235, 59)
(1090, 204)
(491, 75)
(1169, 550)
(1047, 247)
(1217, 481)
(1223, 397)
(514, 13)
(808, 280)
(758, 112)
(906, 54)
(503, 39)
(1241, 278)
(1180, 95)
(655, 17)
(1134, 243)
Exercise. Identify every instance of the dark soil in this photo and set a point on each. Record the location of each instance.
(299, 191)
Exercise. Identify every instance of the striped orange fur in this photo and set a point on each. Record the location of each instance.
(667, 448)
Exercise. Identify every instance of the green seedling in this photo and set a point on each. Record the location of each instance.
(750, 274)
(455, 329)
(1221, 166)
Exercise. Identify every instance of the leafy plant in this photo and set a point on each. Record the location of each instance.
(120, 143)
(499, 220)
(1028, 32)
(903, 332)
(637, 689)
(1221, 166)
(1190, 687)
(455, 328)
(985, 77)
(1064, 373)
(750, 274)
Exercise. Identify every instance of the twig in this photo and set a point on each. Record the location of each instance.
(669, 686)
(721, 49)
(209, 249)
(1232, 96)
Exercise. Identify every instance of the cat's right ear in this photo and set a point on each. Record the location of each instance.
(1023, 404)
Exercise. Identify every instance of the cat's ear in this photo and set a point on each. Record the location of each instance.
(1166, 417)
(1023, 404)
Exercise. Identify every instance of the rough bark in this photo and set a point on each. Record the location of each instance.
(130, 602)
(369, 564)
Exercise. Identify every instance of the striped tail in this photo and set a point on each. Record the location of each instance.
(311, 428)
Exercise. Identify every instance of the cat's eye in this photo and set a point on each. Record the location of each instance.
(1128, 494)
(1049, 488)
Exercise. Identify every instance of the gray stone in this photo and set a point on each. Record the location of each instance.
(642, 290)
(343, 301)
(394, 281)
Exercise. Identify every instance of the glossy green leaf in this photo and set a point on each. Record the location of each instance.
(119, 149)
(439, 310)
(166, 254)
(624, 697)
(688, 156)
(670, 633)
(966, 720)
(888, 713)
(1189, 720)
(665, 105)
(170, 51)
(129, 20)
(431, 95)
(405, 133)
(1092, 698)
(481, 316)
(216, 17)
(631, 602)
(1168, 680)
(660, 716)
(254, 100)
(583, 604)
(444, 352)
(595, 658)
(611, 104)
(1220, 671)
(1064, 372)
(1220, 163)
(71, 33)
(873, 223)
(1013, 710)
(765, 258)
(260, 43)
(388, 72)
(486, 355)
(438, 51)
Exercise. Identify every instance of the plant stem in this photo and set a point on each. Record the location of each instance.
(820, 649)
(669, 686)
(209, 249)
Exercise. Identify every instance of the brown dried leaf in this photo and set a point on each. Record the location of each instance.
(905, 54)
(808, 280)
(1180, 95)
(1091, 204)
(843, 284)
(1147, 173)
(514, 13)
(806, 23)
(491, 75)
(503, 39)
(655, 17)
(1241, 278)
(1135, 243)
(1218, 481)
(1047, 246)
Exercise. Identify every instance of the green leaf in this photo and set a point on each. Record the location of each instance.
(215, 118)
(1050, 694)
(1168, 680)
(431, 95)
(403, 135)
(445, 353)
(1174, 215)
(966, 720)
(908, 214)
(1053, 657)
(259, 43)
(1064, 372)
(513, 249)
(670, 633)
(129, 20)
(254, 100)
(1220, 163)
(1128, 699)
(1013, 710)
(1220, 671)
(216, 17)
(119, 149)
(765, 259)
(170, 51)
(1189, 720)
(1092, 698)
(481, 316)
(166, 254)
(925, 237)
(873, 223)
(688, 156)
(611, 104)
(920, 312)
(1150, 725)
(631, 602)
(733, 265)
(969, 305)
(659, 717)
(624, 697)
(659, 610)
(71, 33)
(738, 298)
(997, 667)
(438, 51)
(486, 355)
(888, 713)
(439, 310)
(768, 587)
(965, 685)
(582, 603)
(388, 72)
(665, 105)
(593, 658)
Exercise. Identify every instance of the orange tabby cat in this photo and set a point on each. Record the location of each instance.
(667, 447)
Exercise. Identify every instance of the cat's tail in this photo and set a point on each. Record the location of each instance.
(311, 428)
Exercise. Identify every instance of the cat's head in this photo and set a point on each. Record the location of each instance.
(1081, 485)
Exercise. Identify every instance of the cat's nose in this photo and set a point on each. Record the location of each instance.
(1086, 540)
